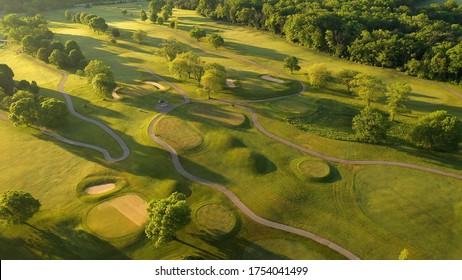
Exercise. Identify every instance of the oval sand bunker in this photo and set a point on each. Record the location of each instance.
(100, 188)
(118, 217)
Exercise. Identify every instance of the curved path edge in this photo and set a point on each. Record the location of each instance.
(70, 105)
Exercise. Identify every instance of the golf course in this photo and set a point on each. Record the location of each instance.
(270, 164)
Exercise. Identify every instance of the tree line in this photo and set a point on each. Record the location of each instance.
(424, 42)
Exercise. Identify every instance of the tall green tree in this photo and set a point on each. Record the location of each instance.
(397, 95)
(213, 81)
(370, 125)
(53, 112)
(318, 75)
(368, 88)
(187, 65)
(17, 207)
(58, 58)
(96, 67)
(197, 33)
(291, 63)
(6, 79)
(103, 85)
(437, 131)
(170, 48)
(166, 217)
(143, 15)
(216, 40)
(24, 111)
(98, 24)
(346, 76)
(139, 36)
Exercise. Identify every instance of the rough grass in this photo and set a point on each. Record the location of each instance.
(280, 249)
(179, 133)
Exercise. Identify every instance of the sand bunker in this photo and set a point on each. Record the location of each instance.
(100, 188)
(114, 93)
(230, 83)
(272, 79)
(157, 85)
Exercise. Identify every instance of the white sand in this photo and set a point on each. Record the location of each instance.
(114, 93)
(272, 79)
(100, 188)
(230, 83)
(131, 206)
(157, 85)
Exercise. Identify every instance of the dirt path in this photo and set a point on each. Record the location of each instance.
(70, 105)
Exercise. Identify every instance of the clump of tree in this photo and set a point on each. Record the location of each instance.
(370, 125)
(17, 207)
(291, 63)
(186, 66)
(94, 22)
(101, 78)
(166, 217)
(68, 15)
(437, 131)
(216, 40)
(115, 32)
(170, 48)
(346, 77)
(318, 75)
(139, 36)
(214, 78)
(197, 33)
(368, 88)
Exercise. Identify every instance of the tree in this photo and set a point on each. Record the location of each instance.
(23, 111)
(53, 112)
(318, 75)
(404, 254)
(143, 15)
(124, 12)
(6, 79)
(95, 67)
(71, 45)
(291, 63)
(187, 65)
(455, 57)
(437, 131)
(103, 85)
(197, 33)
(370, 125)
(346, 76)
(167, 12)
(115, 32)
(368, 88)
(98, 24)
(213, 81)
(16, 207)
(397, 96)
(166, 217)
(216, 40)
(160, 21)
(173, 23)
(43, 54)
(74, 58)
(29, 44)
(139, 35)
(170, 48)
(68, 15)
(58, 58)
(34, 88)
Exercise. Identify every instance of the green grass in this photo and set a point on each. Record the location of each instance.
(315, 170)
(216, 219)
(354, 208)
(178, 132)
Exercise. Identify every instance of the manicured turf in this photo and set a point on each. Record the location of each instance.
(365, 210)
(216, 219)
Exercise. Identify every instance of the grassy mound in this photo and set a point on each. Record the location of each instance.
(117, 217)
(179, 133)
(220, 115)
(280, 249)
(96, 180)
(245, 159)
(222, 141)
(216, 219)
(312, 170)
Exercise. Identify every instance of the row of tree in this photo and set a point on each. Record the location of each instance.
(25, 105)
(214, 39)
(94, 22)
(389, 33)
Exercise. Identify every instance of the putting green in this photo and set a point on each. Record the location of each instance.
(280, 249)
(179, 133)
(117, 217)
(216, 219)
(221, 115)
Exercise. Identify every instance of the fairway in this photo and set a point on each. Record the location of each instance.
(271, 167)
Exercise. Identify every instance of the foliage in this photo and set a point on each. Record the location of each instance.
(75, 57)
(71, 45)
(397, 95)
(437, 131)
(318, 75)
(53, 112)
(160, 21)
(96, 67)
(24, 111)
(170, 48)
(143, 16)
(98, 24)
(68, 15)
(6, 79)
(173, 23)
(368, 88)
(404, 254)
(166, 217)
(216, 40)
(115, 32)
(186, 66)
(346, 76)
(16, 207)
(43, 54)
(197, 33)
(103, 84)
(139, 36)
(213, 81)
(58, 58)
(124, 12)
(370, 125)
(291, 63)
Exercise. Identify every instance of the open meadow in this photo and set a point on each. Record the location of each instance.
(372, 200)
